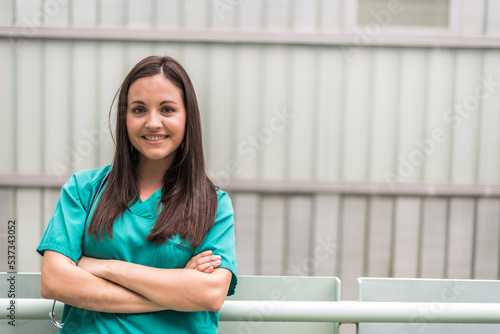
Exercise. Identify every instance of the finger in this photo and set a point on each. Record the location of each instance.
(203, 267)
(202, 254)
(206, 266)
(209, 270)
(203, 260)
(191, 264)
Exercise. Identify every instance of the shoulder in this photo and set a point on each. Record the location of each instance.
(82, 183)
(224, 204)
(90, 176)
(223, 197)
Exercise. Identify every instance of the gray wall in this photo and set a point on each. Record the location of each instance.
(359, 104)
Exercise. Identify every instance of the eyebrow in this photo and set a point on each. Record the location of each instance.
(162, 102)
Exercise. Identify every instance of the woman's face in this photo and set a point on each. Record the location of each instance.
(156, 119)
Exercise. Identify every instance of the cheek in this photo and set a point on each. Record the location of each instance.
(182, 128)
(182, 125)
(130, 125)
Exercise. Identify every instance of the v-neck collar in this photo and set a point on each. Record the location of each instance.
(147, 208)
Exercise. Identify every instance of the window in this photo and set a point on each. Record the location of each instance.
(415, 13)
(420, 17)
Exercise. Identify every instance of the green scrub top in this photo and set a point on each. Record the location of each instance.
(65, 234)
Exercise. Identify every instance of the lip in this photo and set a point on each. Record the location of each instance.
(154, 138)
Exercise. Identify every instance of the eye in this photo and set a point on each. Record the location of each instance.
(138, 110)
(167, 110)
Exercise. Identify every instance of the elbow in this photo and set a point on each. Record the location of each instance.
(215, 305)
(50, 285)
(217, 292)
(54, 269)
(216, 300)
(46, 290)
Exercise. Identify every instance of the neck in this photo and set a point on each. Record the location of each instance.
(150, 173)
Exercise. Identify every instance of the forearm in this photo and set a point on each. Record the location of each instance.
(177, 289)
(64, 281)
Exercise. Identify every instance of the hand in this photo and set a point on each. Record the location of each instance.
(92, 265)
(204, 262)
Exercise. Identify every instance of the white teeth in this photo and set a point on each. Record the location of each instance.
(155, 138)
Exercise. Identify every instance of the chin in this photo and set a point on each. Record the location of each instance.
(158, 157)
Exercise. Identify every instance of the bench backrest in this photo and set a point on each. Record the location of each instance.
(23, 285)
(427, 290)
(282, 288)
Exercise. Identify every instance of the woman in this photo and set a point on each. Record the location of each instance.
(153, 252)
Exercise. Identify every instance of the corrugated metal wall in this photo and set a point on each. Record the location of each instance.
(283, 111)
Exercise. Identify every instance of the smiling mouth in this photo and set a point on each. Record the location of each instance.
(154, 138)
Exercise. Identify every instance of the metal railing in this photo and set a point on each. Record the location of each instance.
(309, 311)
(310, 300)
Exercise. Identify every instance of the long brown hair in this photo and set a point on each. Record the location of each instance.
(189, 198)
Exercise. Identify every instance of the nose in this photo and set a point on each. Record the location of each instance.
(154, 120)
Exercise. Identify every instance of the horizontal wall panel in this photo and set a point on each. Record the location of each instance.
(493, 19)
(356, 108)
(489, 137)
(378, 232)
(488, 240)
(167, 14)
(327, 126)
(220, 86)
(6, 12)
(28, 232)
(29, 113)
(58, 89)
(412, 108)
(406, 237)
(386, 115)
(472, 18)
(298, 228)
(467, 112)
(383, 111)
(89, 13)
(353, 220)
(246, 14)
(276, 100)
(8, 91)
(245, 111)
(140, 13)
(438, 116)
(325, 235)
(305, 15)
(113, 13)
(272, 236)
(86, 135)
(301, 114)
(461, 239)
(432, 244)
(245, 211)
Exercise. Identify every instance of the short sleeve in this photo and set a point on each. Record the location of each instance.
(221, 240)
(65, 231)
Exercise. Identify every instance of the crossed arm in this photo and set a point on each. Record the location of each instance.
(122, 287)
